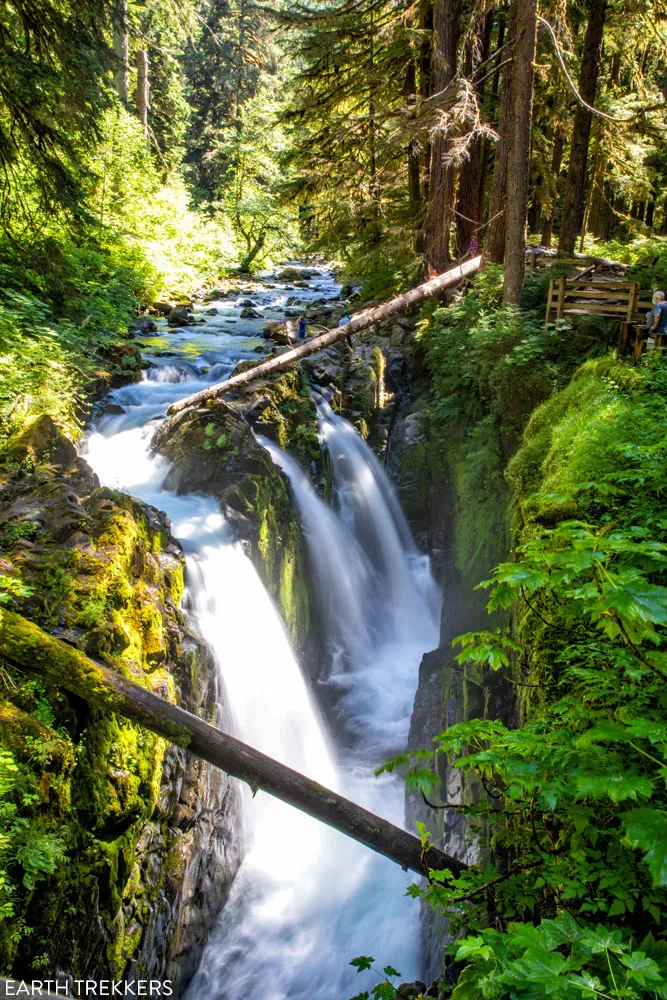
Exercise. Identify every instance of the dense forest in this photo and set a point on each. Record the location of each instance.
(154, 150)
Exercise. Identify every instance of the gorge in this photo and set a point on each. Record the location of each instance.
(303, 899)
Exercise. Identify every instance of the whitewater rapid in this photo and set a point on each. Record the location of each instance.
(306, 899)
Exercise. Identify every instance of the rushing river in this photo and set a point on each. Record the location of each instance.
(306, 899)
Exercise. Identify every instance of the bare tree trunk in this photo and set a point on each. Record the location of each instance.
(143, 89)
(518, 153)
(650, 209)
(446, 17)
(414, 178)
(360, 321)
(556, 163)
(575, 184)
(494, 244)
(25, 644)
(121, 48)
(468, 220)
(471, 174)
(424, 86)
(663, 223)
(597, 193)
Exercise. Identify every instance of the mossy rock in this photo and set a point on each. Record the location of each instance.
(214, 451)
(41, 441)
(105, 576)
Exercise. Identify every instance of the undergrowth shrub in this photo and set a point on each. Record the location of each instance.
(571, 901)
(490, 366)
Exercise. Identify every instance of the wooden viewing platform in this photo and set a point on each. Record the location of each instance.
(611, 299)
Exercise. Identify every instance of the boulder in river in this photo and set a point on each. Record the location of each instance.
(162, 308)
(297, 274)
(144, 324)
(180, 316)
(214, 451)
(290, 274)
(250, 313)
(214, 294)
(126, 360)
(326, 315)
(280, 332)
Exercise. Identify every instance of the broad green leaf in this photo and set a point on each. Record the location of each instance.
(646, 829)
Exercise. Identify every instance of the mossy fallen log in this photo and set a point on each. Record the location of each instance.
(23, 643)
(360, 321)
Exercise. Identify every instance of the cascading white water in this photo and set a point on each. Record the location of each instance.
(367, 502)
(341, 570)
(306, 899)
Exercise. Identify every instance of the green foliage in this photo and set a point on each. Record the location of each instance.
(71, 292)
(560, 959)
(490, 366)
(54, 61)
(213, 440)
(647, 257)
(27, 853)
(383, 990)
(93, 613)
(579, 802)
(252, 146)
(39, 364)
(10, 587)
(346, 110)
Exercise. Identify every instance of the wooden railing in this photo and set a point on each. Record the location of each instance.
(615, 299)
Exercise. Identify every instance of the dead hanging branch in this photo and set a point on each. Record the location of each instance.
(453, 113)
(23, 643)
(572, 84)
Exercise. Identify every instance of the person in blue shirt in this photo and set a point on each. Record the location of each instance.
(656, 321)
(302, 328)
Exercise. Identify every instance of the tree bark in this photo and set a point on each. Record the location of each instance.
(143, 89)
(518, 151)
(494, 244)
(446, 18)
(358, 322)
(471, 174)
(121, 48)
(468, 221)
(575, 184)
(424, 87)
(414, 178)
(556, 163)
(663, 223)
(26, 645)
(599, 171)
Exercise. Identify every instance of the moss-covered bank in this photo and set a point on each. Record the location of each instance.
(104, 836)
(567, 483)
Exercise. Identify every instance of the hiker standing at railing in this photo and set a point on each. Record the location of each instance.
(656, 320)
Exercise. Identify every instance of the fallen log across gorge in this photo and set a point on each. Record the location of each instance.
(27, 646)
(360, 321)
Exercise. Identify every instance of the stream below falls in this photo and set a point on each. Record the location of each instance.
(306, 899)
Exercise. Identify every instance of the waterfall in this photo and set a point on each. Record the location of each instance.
(368, 504)
(341, 571)
(306, 899)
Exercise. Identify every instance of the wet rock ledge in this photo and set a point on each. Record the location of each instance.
(148, 833)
